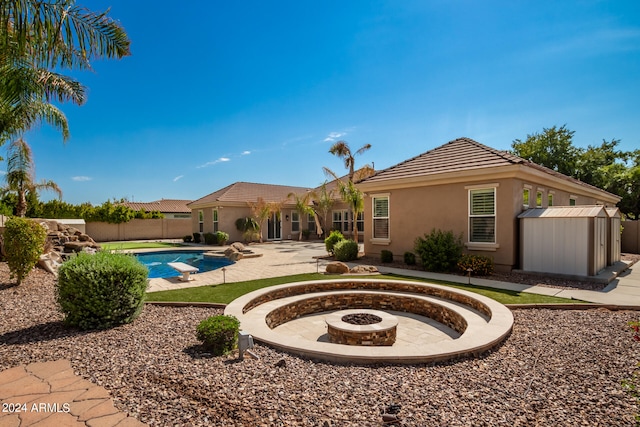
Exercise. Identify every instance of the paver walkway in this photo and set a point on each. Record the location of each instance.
(50, 394)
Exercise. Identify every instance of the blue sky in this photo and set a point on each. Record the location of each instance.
(217, 92)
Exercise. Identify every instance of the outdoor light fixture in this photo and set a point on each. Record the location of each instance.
(245, 342)
(286, 217)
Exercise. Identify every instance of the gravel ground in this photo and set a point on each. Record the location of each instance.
(557, 368)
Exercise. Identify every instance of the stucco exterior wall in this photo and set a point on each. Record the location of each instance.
(139, 229)
(417, 210)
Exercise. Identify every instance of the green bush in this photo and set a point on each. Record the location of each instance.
(23, 243)
(219, 334)
(196, 238)
(221, 237)
(439, 250)
(331, 241)
(210, 238)
(409, 258)
(346, 250)
(479, 264)
(188, 238)
(386, 256)
(102, 290)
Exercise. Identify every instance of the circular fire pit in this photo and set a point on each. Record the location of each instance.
(362, 327)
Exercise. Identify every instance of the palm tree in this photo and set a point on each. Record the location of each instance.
(348, 190)
(303, 206)
(20, 175)
(324, 202)
(37, 36)
(342, 150)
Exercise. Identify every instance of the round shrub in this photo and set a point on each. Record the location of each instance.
(409, 258)
(102, 290)
(210, 239)
(196, 237)
(219, 334)
(221, 237)
(331, 241)
(346, 250)
(479, 264)
(439, 250)
(23, 243)
(187, 239)
(386, 256)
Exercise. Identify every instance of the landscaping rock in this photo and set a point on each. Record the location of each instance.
(337, 267)
(364, 269)
(238, 246)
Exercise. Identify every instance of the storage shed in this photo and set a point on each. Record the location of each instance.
(614, 236)
(567, 240)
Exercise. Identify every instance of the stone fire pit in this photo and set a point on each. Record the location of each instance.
(362, 327)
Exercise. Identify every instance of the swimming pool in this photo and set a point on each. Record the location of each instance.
(156, 262)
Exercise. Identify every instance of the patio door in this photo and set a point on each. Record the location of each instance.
(274, 227)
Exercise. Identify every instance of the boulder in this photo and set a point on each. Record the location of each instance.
(364, 269)
(337, 267)
(238, 246)
(50, 262)
(235, 256)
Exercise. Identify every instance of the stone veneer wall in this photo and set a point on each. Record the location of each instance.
(375, 301)
(385, 337)
(313, 287)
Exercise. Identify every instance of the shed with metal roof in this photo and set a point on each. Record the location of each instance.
(566, 240)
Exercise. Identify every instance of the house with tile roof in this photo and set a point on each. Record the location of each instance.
(468, 188)
(170, 208)
(219, 211)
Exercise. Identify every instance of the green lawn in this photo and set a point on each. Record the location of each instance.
(226, 293)
(123, 246)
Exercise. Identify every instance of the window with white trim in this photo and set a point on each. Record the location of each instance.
(539, 199)
(311, 223)
(201, 221)
(338, 219)
(295, 221)
(380, 217)
(572, 201)
(550, 199)
(215, 220)
(482, 215)
(526, 194)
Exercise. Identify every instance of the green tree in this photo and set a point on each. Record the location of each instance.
(348, 190)
(324, 202)
(552, 148)
(23, 243)
(302, 206)
(39, 38)
(20, 177)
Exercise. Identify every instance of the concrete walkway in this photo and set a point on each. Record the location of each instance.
(292, 257)
(50, 394)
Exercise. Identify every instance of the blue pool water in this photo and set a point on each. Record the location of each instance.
(156, 262)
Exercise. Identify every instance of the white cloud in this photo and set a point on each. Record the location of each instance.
(333, 136)
(220, 160)
(245, 153)
(177, 178)
(81, 178)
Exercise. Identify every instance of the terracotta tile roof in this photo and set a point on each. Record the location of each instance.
(462, 154)
(242, 192)
(162, 205)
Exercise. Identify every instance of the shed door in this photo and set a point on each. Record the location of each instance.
(600, 244)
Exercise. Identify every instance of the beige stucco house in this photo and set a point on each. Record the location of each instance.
(219, 210)
(471, 189)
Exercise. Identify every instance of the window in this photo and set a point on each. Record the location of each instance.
(295, 221)
(572, 201)
(311, 223)
(539, 199)
(482, 215)
(360, 222)
(525, 197)
(201, 221)
(215, 220)
(337, 220)
(380, 217)
(550, 199)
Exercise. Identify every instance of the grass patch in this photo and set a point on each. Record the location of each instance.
(224, 294)
(125, 246)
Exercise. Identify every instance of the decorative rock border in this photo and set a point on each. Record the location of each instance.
(482, 322)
